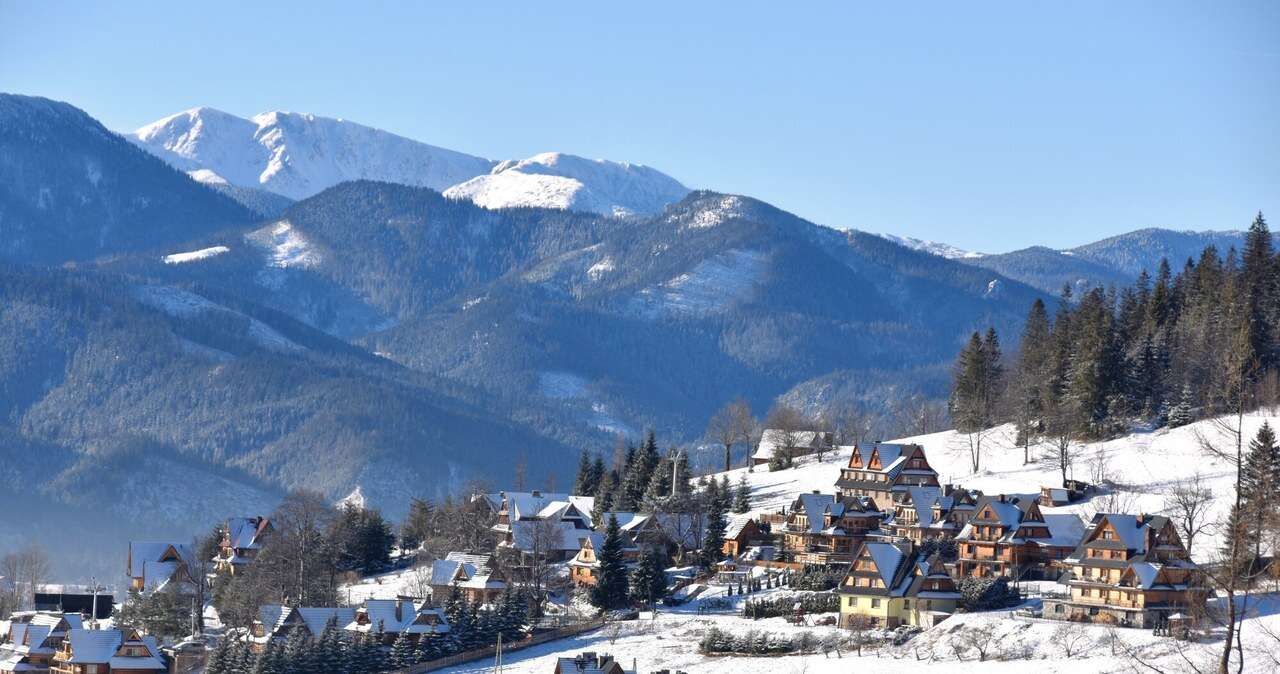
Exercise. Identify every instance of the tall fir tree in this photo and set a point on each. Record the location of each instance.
(742, 496)
(648, 582)
(610, 591)
(713, 537)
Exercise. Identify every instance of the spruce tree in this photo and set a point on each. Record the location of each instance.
(582, 481)
(648, 582)
(659, 488)
(713, 538)
(1181, 414)
(401, 652)
(220, 659)
(742, 496)
(610, 591)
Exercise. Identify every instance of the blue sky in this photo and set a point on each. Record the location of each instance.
(990, 126)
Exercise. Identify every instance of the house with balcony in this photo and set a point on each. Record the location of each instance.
(825, 529)
(31, 638)
(110, 651)
(892, 584)
(932, 513)
(883, 471)
(1129, 570)
(1009, 536)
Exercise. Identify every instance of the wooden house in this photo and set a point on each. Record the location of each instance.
(585, 566)
(880, 471)
(31, 638)
(276, 622)
(1130, 570)
(108, 652)
(929, 513)
(156, 564)
(892, 584)
(825, 529)
(1009, 536)
(242, 539)
(590, 663)
(779, 442)
(741, 532)
(477, 577)
(393, 617)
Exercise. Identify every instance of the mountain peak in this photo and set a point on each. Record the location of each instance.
(571, 182)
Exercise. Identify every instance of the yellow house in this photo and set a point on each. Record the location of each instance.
(891, 584)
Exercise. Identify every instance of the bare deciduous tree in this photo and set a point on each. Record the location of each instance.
(786, 426)
(1187, 503)
(732, 425)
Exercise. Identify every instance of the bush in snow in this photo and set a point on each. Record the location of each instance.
(985, 594)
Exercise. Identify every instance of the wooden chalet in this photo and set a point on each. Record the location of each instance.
(414, 619)
(826, 529)
(535, 523)
(880, 471)
(31, 639)
(585, 566)
(242, 539)
(931, 513)
(1008, 536)
(1130, 570)
(778, 442)
(276, 622)
(108, 652)
(590, 663)
(477, 577)
(741, 532)
(892, 584)
(156, 564)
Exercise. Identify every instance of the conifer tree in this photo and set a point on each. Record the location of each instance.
(401, 652)
(220, 660)
(742, 496)
(610, 591)
(713, 537)
(1180, 414)
(582, 481)
(659, 488)
(648, 582)
(606, 494)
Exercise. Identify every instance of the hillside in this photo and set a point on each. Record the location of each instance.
(95, 363)
(70, 190)
(1142, 467)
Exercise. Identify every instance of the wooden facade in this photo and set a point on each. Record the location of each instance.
(891, 584)
(1009, 536)
(882, 471)
(1131, 570)
(825, 529)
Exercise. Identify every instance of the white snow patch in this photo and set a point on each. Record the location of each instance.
(565, 181)
(183, 304)
(287, 246)
(730, 207)
(711, 286)
(192, 256)
(207, 177)
(932, 247)
(600, 268)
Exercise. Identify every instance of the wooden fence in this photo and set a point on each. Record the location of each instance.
(490, 651)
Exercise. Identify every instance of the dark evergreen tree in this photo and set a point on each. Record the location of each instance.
(713, 537)
(582, 481)
(742, 496)
(420, 524)
(402, 652)
(610, 590)
(648, 582)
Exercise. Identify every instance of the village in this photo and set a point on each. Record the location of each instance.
(889, 551)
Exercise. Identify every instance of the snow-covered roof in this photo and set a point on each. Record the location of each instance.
(93, 646)
(773, 439)
(735, 525)
(244, 532)
(523, 535)
(887, 557)
(395, 616)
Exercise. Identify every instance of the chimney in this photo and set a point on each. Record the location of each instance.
(1003, 498)
(815, 492)
(536, 493)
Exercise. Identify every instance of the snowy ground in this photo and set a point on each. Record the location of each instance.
(1013, 644)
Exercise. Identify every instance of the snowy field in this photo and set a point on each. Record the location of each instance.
(670, 641)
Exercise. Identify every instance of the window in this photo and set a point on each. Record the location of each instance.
(875, 603)
(1108, 535)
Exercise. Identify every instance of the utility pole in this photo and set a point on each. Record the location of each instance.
(675, 469)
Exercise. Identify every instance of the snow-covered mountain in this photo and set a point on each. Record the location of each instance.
(298, 155)
(555, 180)
(933, 247)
